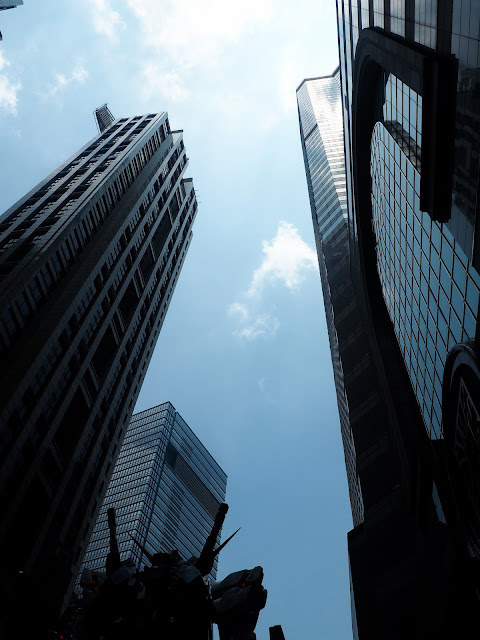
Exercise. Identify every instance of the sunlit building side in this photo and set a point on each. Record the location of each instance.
(362, 411)
(166, 489)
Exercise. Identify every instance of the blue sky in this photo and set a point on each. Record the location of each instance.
(243, 354)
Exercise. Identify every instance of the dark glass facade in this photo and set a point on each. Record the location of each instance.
(88, 263)
(410, 113)
(166, 489)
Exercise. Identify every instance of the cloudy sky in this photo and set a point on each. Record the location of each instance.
(243, 353)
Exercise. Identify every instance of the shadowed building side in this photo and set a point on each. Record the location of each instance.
(410, 109)
(89, 260)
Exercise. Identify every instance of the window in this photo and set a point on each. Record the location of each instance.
(9, 323)
(23, 305)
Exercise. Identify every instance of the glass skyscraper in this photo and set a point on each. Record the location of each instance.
(415, 140)
(89, 260)
(320, 118)
(166, 489)
(410, 105)
(372, 463)
(363, 410)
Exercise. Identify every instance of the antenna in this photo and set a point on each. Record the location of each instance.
(146, 553)
(218, 549)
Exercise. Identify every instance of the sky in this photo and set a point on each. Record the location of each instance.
(243, 354)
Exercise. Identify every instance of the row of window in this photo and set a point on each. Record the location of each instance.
(79, 236)
(38, 223)
(83, 306)
(125, 501)
(120, 397)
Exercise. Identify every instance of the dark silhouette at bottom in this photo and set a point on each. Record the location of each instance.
(169, 600)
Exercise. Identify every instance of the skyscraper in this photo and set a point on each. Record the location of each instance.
(372, 463)
(166, 489)
(88, 263)
(362, 410)
(410, 101)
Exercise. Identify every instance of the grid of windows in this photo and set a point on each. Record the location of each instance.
(91, 317)
(400, 136)
(163, 487)
(402, 113)
(81, 349)
(430, 288)
(378, 14)
(429, 285)
(320, 106)
(91, 222)
(320, 114)
(397, 17)
(426, 22)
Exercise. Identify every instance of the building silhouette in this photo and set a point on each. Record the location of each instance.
(410, 107)
(166, 489)
(89, 260)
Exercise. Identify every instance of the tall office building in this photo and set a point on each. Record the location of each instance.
(411, 105)
(362, 410)
(88, 263)
(372, 464)
(166, 489)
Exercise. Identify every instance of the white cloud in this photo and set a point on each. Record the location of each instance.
(106, 20)
(252, 325)
(167, 82)
(8, 89)
(180, 39)
(263, 326)
(194, 33)
(239, 310)
(286, 259)
(78, 76)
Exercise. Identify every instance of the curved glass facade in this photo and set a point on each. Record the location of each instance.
(427, 269)
(430, 288)
(410, 86)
